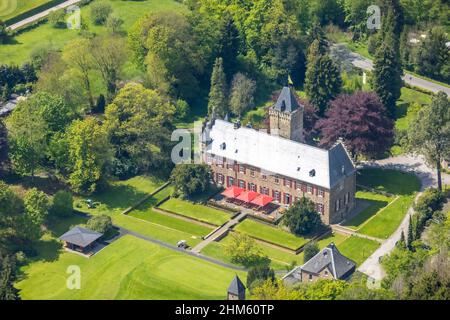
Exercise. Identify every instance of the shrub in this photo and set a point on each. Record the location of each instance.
(258, 274)
(100, 12)
(62, 204)
(191, 179)
(310, 250)
(302, 219)
(101, 223)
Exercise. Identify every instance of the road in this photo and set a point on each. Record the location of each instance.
(342, 51)
(427, 176)
(41, 15)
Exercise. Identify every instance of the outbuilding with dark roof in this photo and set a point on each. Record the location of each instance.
(80, 239)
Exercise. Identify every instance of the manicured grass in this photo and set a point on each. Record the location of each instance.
(196, 211)
(19, 49)
(120, 195)
(391, 181)
(129, 268)
(279, 259)
(22, 6)
(387, 220)
(408, 105)
(271, 234)
(357, 249)
(376, 202)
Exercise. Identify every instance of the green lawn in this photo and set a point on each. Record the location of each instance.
(358, 249)
(197, 211)
(130, 268)
(376, 202)
(272, 234)
(22, 6)
(387, 220)
(391, 181)
(279, 259)
(408, 105)
(19, 49)
(120, 195)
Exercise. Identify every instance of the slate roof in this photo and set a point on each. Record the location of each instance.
(236, 286)
(286, 101)
(278, 155)
(80, 236)
(330, 257)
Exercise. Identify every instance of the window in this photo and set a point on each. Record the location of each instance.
(252, 187)
(321, 193)
(252, 173)
(208, 159)
(298, 186)
(310, 277)
(309, 189)
(277, 180)
(276, 195)
(287, 198)
(337, 205)
(346, 198)
(264, 177)
(220, 161)
(326, 273)
(230, 181)
(287, 183)
(241, 168)
(320, 208)
(220, 179)
(241, 184)
(264, 190)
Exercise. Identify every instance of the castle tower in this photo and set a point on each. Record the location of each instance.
(236, 290)
(286, 116)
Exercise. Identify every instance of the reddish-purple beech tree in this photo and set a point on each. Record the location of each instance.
(360, 120)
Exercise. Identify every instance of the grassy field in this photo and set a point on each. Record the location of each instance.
(21, 7)
(130, 268)
(376, 203)
(19, 49)
(196, 211)
(387, 220)
(358, 249)
(272, 234)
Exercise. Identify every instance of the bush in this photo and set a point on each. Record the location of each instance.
(431, 201)
(100, 12)
(302, 219)
(258, 274)
(57, 18)
(101, 223)
(310, 250)
(62, 204)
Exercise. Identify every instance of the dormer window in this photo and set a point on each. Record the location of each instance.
(312, 173)
(223, 146)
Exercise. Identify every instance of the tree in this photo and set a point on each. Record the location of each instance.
(139, 125)
(356, 17)
(101, 103)
(100, 223)
(100, 12)
(114, 24)
(3, 32)
(323, 80)
(7, 278)
(4, 147)
(57, 18)
(242, 92)
(360, 120)
(258, 274)
(37, 205)
(310, 250)
(109, 54)
(429, 133)
(89, 152)
(402, 242)
(410, 239)
(433, 57)
(302, 218)
(190, 180)
(27, 138)
(243, 250)
(218, 103)
(328, 11)
(62, 205)
(77, 54)
(11, 210)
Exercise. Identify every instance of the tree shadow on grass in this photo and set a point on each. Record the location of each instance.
(401, 110)
(59, 226)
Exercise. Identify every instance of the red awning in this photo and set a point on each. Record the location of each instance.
(262, 200)
(247, 196)
(232, 192)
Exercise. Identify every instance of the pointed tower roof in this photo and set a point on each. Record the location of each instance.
(286, 101)
(236, 286)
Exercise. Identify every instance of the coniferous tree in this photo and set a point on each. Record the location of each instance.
(323, 80)
(410, 235)
(7, 277)
(218, 92)
(402, 242)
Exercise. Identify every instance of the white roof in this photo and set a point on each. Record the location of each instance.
(279, 155)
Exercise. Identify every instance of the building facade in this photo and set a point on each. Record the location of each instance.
(279, 166)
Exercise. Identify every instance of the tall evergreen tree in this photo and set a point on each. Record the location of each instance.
(229, 46)
(7, 277)
(410, 238)
(218, 92)
(402, 242)
(323, 80)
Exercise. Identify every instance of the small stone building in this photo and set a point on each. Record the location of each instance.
(329, 263)
(236, 290)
